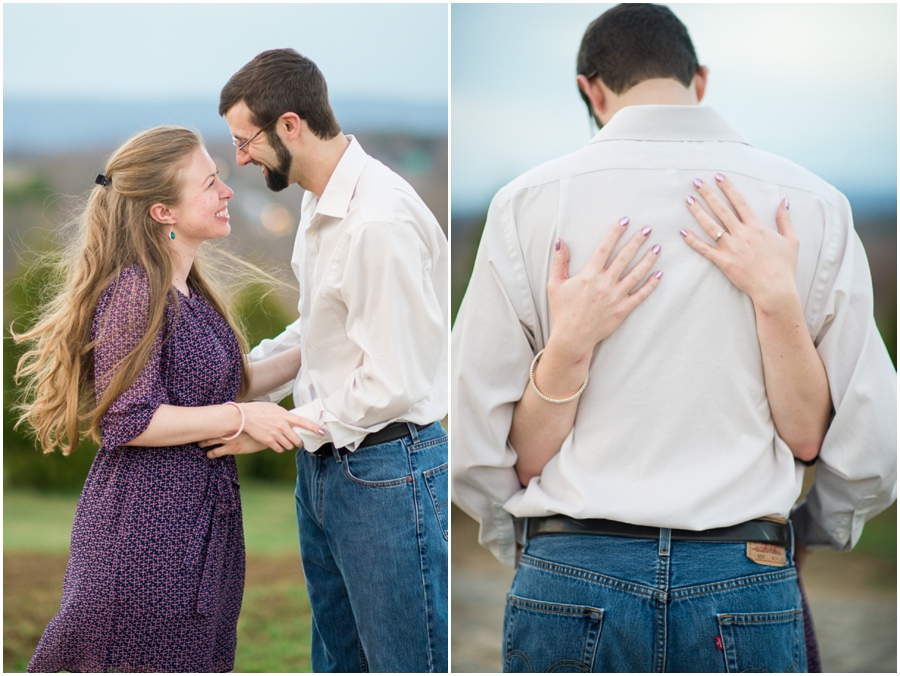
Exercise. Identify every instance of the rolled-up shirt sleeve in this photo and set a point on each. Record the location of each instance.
(856, 476)
(271, 347)
(394, 317)
(492, 345)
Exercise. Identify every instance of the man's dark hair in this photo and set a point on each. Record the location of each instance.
(631, 43)
(280, 81)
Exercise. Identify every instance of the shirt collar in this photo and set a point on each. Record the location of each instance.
(335, 199)
(668, 123)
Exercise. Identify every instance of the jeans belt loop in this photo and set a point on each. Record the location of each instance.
(336, 452)
(665, 539)
(413, 432)
(793, 547)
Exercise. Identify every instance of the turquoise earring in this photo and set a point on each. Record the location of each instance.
(172, 234)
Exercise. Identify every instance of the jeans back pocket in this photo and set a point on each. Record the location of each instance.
(762, 642)
(550, 637)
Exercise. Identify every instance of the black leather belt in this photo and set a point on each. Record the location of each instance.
(758, 530)
(392, 432)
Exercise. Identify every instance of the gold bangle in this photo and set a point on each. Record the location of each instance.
(544, 396)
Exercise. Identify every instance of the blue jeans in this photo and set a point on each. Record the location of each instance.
(373, 540)
(596, 603)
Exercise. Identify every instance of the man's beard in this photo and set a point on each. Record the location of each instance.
(277, 179)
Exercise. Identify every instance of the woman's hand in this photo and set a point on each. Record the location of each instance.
(585, 309)
(272, 426)
(588, 307)
(758, 260)
(763, 264)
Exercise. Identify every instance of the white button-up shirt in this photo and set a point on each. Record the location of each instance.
(373, 265)
(674, 429)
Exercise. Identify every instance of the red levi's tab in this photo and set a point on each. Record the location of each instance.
(719, 643)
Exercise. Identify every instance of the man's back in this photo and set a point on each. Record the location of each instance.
(675, 428)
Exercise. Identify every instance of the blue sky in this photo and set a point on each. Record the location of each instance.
(815, 83)
(172, 51)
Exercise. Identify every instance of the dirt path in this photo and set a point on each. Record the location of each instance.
(853, 600)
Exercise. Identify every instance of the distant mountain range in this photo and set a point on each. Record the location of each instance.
(51, 126)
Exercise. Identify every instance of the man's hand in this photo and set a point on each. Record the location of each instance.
(801, 555)
(242, 445)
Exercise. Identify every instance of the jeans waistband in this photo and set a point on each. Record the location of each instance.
(392, 432)
(757, 530)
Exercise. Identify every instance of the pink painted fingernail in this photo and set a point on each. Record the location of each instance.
(698, 183)
(720, 178)
(646, 231)
(321, 432)
(683, 233)
(656, 248)
(556, 246)
(787, 204)
(659, 275)
(624, 221)
(690, 200)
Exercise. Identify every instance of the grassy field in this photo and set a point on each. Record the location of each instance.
(273, 632)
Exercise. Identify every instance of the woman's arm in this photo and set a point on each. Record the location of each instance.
(763, 264)
(539, 427)
(268, 374)
(584, 310)
(267, 423)
(796, 383)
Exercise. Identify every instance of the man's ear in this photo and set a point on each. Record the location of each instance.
(700, 79)
(293, 126)
(594, 93)
(162, 214)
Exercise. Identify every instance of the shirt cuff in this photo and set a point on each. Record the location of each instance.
(845, 527)
(508, 530)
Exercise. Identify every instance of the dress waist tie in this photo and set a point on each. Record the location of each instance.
(208, 546)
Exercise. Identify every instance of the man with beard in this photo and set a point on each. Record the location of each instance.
(372, 263)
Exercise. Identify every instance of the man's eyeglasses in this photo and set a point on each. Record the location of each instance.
(240, 146)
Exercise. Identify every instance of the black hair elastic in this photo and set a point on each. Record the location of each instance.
(102, 180)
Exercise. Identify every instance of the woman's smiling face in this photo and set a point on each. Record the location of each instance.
(202, 213)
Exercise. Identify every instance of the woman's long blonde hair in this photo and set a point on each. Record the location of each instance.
(114, 232)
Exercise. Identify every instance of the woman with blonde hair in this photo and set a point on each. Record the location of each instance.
(139, 351)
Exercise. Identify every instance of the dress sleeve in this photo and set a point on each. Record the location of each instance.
(119, 324)
(856, 476)
(492, 345)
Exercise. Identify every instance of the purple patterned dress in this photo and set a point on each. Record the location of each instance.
(156, 566)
